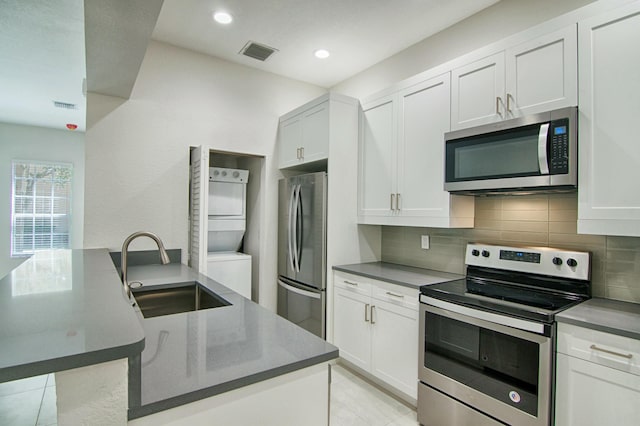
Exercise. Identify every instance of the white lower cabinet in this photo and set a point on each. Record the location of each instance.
(597, 378)
(376, 329)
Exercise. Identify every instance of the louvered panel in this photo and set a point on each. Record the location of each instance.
(197, 208)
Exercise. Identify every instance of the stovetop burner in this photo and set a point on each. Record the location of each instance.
(531, 283)
(501, 298)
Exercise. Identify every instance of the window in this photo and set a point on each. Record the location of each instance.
(40, 206)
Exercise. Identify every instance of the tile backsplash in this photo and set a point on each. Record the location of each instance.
(532, 220)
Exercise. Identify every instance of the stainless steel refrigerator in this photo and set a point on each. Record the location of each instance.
(302, 234)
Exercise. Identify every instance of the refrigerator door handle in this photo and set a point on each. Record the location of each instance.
(299, 290)
(296, 202)
(290, 229)
(299, 229)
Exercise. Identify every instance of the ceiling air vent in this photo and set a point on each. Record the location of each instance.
(64, 105)
(257, 51)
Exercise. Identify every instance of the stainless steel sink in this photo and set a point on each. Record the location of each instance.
(178, 298)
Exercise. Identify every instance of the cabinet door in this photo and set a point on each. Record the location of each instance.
(591, 394)
(424, 117)
(394, 345)
(289, 141)
(315, 134)
(477, 93)
(377, 158)
(609, 152)
(352, 327)
(541, 74)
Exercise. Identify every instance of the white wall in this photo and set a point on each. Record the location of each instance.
(499, 21)
(137, 155)
(39, 144)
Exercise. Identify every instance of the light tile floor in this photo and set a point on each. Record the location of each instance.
(354, 402)
(29, 402)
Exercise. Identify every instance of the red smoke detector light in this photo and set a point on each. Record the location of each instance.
(71, 126)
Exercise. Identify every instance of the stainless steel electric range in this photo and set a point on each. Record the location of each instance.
(488, 340)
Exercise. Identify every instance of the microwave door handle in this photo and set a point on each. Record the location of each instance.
(543, 163)
(289, 227)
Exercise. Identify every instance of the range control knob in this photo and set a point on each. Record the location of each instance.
(475, 252)
(216, 173)
(485, 253)
(557, 261)
(572, 262)
(236, 174)
(224, 173)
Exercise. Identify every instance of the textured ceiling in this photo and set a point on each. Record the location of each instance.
(358, 33)
(42, 49)
(42, 60)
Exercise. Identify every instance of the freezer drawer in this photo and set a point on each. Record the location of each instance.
(302, 305)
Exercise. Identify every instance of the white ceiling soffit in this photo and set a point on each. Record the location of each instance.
(117, 34)
(357, 33)
(41, 61)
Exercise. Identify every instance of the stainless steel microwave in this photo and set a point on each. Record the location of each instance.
(526, 154)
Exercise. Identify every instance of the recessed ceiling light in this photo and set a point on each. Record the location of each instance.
(321, 53)
(222, 17)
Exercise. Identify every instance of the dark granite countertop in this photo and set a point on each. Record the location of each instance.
(64, 309)
(408, 276)
(194, 355)
(609, 316)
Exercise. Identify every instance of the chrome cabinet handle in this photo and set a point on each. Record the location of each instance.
(398, 201)
(373, 307)
(302, 153)
(350, 283)
(366, 310)
(509, 102)
(393, 198)
(595, 348)
(395, 295)
(498, 100)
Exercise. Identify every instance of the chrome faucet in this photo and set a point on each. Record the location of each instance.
(164, 257)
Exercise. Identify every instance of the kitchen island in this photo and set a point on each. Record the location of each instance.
(217, 363)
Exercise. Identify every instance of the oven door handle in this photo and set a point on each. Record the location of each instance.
(502, 323)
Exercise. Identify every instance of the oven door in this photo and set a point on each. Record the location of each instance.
(492, 367)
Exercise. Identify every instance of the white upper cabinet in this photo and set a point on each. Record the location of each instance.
(304, 138)
(478, 92)
(402, 160)
(535, 76)
(378, 149)
(290, 138)
(609, 150)
(542, 74)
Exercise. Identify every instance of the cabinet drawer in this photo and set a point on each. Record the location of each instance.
(619, 352)
(352, 283)
(396, 294)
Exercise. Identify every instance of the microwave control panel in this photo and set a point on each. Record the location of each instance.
(559, 147)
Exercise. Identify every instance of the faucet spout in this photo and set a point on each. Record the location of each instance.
(164, 257)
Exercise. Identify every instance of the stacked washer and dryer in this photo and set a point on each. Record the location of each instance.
(226, 228)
